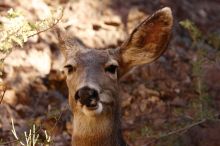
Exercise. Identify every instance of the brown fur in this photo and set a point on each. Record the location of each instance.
(146, 43)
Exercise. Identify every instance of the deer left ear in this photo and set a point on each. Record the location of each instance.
(147, 41)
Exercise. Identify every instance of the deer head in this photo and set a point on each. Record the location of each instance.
(92, 77)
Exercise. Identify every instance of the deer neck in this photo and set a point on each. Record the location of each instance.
(97, 131)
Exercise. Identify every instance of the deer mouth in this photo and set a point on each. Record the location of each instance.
(93, 110)
(95, 106)
(92, 106)
(90, 103)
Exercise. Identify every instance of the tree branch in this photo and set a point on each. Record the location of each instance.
(54, 24)
(184, 129)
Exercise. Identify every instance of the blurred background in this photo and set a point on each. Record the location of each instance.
(174, 101)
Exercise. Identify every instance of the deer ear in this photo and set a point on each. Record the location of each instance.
(68, 43)
(61, 36)
(147, 41)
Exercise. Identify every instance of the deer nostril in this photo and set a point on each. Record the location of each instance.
(87, 96)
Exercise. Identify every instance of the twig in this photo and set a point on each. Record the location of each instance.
(48, 138)
(2, 95)
(184, 129)
(9, 35)
(61, 113)
(28, 138)
(9, 142)
(54, 24)
(14, 132)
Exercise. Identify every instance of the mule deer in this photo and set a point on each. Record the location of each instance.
(92, 79)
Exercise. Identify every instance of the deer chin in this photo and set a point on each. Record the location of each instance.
(92, 111)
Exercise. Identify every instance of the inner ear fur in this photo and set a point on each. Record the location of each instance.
(148, 40)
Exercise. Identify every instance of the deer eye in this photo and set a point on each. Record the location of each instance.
(69, 68)
(111, 69)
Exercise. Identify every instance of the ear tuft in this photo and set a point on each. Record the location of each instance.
(166, 16)
(167, 11)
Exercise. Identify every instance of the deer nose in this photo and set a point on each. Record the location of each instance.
(87, 96)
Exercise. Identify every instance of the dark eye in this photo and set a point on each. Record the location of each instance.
(69, 68)
(111, 69)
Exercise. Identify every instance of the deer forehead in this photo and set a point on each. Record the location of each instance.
(90, 57)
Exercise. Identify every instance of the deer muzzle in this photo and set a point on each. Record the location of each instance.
(88, 97)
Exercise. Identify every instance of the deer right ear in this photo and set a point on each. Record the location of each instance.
(147, 41)
(60, 31)
(68, 44)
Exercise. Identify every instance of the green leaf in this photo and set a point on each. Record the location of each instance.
(17, 40)
(13, 14)
(193, 30)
